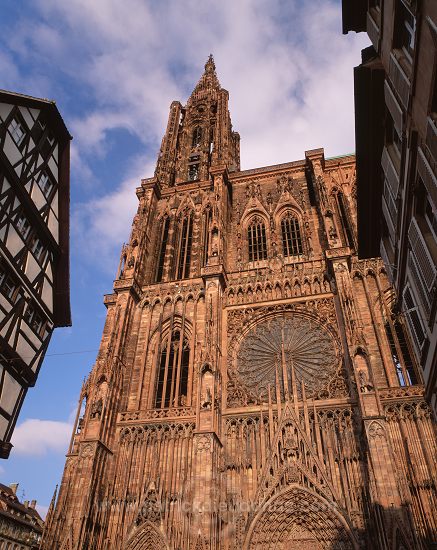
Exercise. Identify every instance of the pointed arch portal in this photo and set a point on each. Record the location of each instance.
(299, 518)
(147, 537)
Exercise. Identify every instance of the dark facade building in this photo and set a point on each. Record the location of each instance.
(252, 389)
(396, 152)
(21, 526)
(34, 244)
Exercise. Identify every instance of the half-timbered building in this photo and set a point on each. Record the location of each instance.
(34, 244)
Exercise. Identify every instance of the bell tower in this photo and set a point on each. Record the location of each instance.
(254, 387)
(199, 136)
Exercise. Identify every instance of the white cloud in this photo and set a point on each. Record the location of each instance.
(38, 437)
(287, 66)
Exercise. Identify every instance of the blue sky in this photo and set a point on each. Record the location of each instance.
(113, 68)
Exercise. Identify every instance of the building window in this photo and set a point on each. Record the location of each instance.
(173, 366)
(10, 289)
(434, 94)
(33, 319)
(207, 222)
(405, 29)
(184, 255)
(430, 217)
(392, 138)
(23, 225)
(256, 234)
(424, 232)
(193, 172)
(45, 184)
(17, 131)
(422, 252)
(390, 203)
(345, 220)
(413, 318)
(291, 237)
(211, 140)
(193, 167)
(197, 136)
(164, 240)
(38, 129)
(10, 391)
(38, 249)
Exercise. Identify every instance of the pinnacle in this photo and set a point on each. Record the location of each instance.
(210, 65)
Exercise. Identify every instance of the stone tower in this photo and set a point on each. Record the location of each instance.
(254, 387)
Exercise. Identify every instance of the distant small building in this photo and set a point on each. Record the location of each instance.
(34, 244)
(20, 524)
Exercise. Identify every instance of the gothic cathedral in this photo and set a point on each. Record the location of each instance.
(254, 387)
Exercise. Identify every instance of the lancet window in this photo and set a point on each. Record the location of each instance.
(184, 249)
(207, 222)
(256, 234)
(291, 236)
(193, 167)
(345, 219)
(163, 248)
(197, 136)
(173, 365)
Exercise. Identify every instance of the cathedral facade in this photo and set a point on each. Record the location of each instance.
(254, 388)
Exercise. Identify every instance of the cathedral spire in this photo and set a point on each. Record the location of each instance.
(208, 82)
(199, 134)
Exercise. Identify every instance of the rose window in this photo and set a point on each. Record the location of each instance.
(275, 348)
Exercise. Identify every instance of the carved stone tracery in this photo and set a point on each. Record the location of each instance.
(299, 342)
(311, 346)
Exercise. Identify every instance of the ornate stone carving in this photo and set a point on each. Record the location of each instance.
(87, 450)
(157, 414)
(203, 444)
(375, 430)
(151, 508)
(132, 434)
(291, 343)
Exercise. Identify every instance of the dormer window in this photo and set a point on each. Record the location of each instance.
(197, 136)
